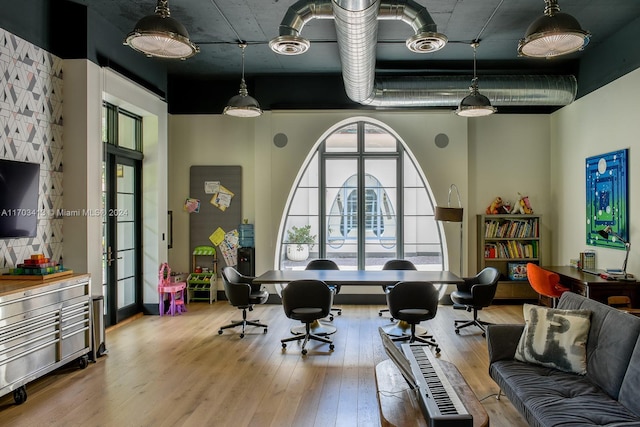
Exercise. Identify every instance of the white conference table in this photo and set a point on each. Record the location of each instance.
(357, 278)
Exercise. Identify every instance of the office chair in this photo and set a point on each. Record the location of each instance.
(545, 283)
(395, 264)
(326, 264)
(243, 294)
(474, 294)
(307, 301)
(414, 302)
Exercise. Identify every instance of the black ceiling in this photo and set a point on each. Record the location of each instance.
(216, 26)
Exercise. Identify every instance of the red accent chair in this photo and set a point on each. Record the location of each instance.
(545, 282)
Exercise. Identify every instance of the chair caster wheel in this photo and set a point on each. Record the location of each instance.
(380, 314)
(304, 351)
(20, 395)
(458, 331)
(331, 347)
(265, 330)
(484, 334)
(83, 362)
(241, 336)
(284, 345)
(391, 319)
(437, 350)
(219, 331)
(340, 313)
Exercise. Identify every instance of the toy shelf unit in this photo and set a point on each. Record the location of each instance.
(201, 282)
(508, 242)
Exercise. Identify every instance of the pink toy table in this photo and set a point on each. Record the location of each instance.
(176, 297)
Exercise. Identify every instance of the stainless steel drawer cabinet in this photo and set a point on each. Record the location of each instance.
(42, 327)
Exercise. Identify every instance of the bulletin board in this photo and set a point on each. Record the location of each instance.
(210, 217)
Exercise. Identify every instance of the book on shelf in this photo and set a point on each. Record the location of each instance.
(490, 250)
(511, 228)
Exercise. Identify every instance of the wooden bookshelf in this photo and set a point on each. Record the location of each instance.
(508, 242)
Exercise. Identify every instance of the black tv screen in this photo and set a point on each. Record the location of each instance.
(19, 182)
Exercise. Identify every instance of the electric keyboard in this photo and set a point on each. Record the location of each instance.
(439, 402)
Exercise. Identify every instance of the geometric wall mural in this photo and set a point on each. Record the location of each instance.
(607, 180)
(31, 131)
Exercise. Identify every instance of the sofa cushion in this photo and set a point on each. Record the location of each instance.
(555, 338)
(630, 389)
(549, 397)
(612, 338)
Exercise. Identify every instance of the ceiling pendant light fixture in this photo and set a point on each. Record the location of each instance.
(553, 34)
(475, 104)
(243, 105)
(161, 36)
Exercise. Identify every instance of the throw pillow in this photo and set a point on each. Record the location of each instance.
(555, 338)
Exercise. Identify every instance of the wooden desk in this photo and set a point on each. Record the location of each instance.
(399, 406)
(595, 287)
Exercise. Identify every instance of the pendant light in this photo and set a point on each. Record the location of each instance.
(475, 104)
(553, 34)
(161, 36)
(243, 105)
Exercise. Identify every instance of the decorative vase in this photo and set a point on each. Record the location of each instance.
(297, 252)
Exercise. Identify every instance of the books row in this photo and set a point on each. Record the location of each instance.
(511, 228)
(511, 249)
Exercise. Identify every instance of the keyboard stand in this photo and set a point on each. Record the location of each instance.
(398, 404)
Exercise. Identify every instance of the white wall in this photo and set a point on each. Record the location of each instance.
(153, 110)
(603, 121)
(476, 160)
(83, 166)
(509, 154)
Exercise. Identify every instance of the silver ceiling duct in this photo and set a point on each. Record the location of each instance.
(357, 26)
(447, 91)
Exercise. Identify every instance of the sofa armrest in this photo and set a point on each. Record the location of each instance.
(502, 341)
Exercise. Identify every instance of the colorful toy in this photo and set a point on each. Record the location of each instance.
(522, 206)
(494, 207)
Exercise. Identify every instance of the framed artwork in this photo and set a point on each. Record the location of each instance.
(607, 179)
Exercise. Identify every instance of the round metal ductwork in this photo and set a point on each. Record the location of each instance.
(289, 45)
(426, 42)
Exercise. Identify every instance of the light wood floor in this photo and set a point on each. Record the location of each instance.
(164, 371)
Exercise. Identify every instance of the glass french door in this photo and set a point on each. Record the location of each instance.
(121, 257)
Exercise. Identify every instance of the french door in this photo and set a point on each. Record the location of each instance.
(121, 234)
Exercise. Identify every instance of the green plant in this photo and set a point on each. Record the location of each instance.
(301, 235)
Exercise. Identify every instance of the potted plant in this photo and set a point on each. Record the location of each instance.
(300, 242)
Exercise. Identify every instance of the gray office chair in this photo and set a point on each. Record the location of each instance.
(414, 302)
(307, 301)
(243, 294)
(326, 264)
(474, 294)
(395, 264)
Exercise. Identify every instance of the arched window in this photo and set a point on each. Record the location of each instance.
(363, 200)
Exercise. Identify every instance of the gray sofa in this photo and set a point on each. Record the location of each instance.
(608, 395)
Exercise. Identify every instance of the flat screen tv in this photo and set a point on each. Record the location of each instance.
(19, 183)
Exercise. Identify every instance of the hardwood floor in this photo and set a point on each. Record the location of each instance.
(164, 371)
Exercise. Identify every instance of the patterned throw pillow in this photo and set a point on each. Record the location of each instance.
(555, 338)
